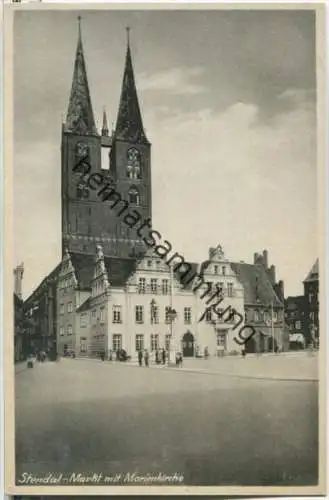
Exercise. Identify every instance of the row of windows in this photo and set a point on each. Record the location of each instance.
(140, 343)
(154, 314)
(265, 316)
(100, 317)
(66, 283)
(69, 308)
(153, 287)
(64, 331)
(83, 191)
(220, 270)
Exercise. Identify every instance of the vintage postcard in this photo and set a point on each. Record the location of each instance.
(164, 202)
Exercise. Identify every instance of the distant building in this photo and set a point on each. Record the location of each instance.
(278, 286)
(264, 310)
(311, 294)
(19, 324)
(40, 309)
(295, 319)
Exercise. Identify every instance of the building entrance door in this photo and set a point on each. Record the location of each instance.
(188, 345)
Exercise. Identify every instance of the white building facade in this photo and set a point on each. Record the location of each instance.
(152, 309)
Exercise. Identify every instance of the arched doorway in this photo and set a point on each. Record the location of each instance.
(188, 345)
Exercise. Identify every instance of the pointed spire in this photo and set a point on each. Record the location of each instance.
(105, 128)
(80, 116)
(129, 126)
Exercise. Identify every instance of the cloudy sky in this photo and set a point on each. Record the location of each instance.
(228, 101)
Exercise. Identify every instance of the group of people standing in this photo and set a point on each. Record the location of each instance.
(160, 357)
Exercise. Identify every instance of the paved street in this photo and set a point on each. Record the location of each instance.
(89, 416)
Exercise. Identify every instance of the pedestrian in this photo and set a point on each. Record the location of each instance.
(163, 356)
(140, 357)
(179, 359)
(146, 357)
(206, 352)
(243, 352)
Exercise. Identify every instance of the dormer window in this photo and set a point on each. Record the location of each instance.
(223, 270)
(133, 196)
(216, 269)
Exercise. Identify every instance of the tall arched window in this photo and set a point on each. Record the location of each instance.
(133, 196)
(133, 164)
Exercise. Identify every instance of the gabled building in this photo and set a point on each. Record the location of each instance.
(262, 260)
(311, 294)
(19, 329)
(296, 321)
(263, 309)
(19, 323)
(132, 302)
(40, 310)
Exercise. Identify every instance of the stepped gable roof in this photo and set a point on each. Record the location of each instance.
(313, 275)
(256, 284)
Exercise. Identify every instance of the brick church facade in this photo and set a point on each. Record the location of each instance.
(121, 160)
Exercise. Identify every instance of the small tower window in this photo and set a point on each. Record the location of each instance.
(133, 196)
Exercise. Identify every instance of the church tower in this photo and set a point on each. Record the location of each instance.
(130, 155)
(122, 159)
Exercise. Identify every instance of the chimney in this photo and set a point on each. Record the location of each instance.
(281, 288)
(255, 258)
(265, 259)
(271, 274)
(18, 275)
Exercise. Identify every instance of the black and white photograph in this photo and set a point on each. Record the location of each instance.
(164, 192)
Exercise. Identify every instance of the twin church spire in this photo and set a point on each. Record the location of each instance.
(80, 116)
